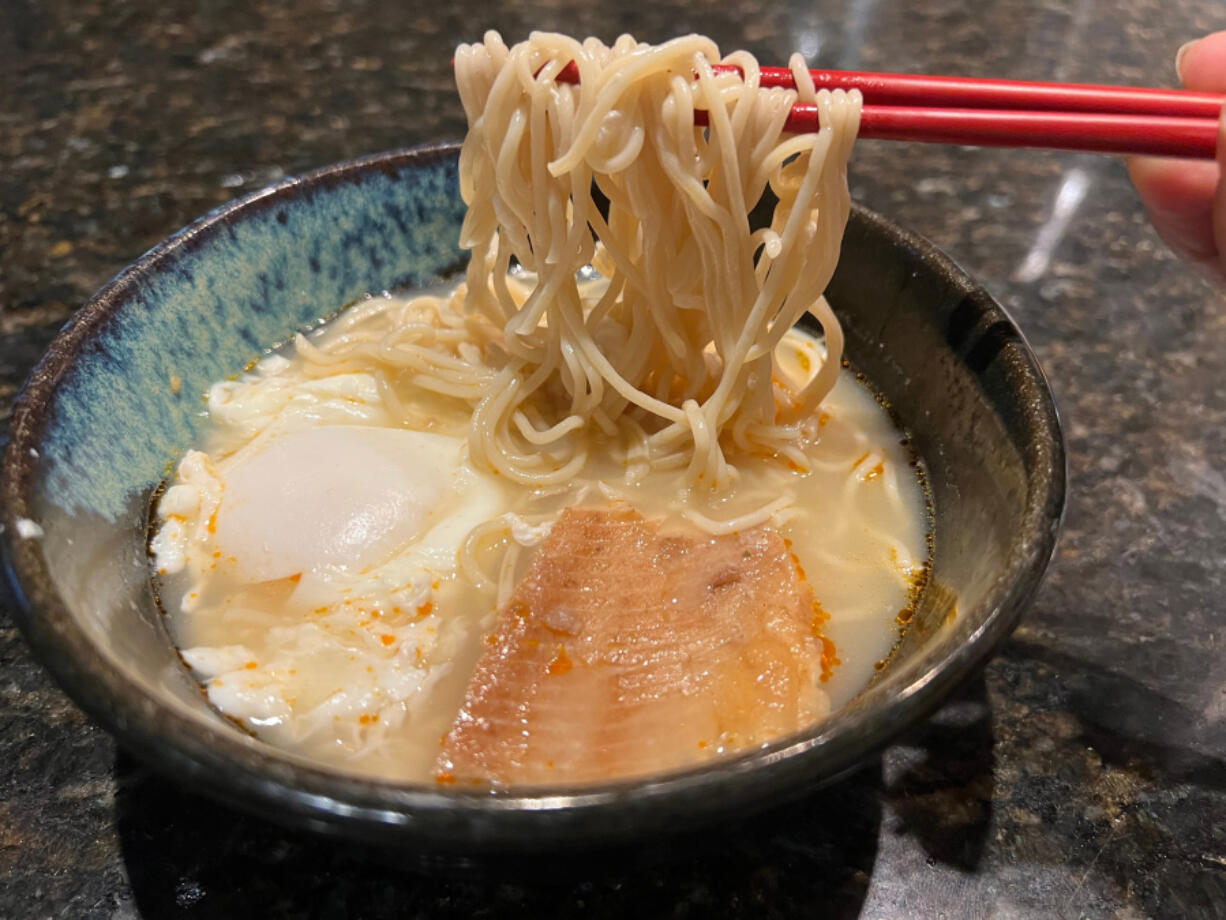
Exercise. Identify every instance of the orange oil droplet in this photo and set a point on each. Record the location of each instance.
(829, 660)
(561, 663)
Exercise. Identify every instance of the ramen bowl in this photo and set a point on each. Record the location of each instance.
(117, 398)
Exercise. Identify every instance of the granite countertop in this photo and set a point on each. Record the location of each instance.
(1081, 775)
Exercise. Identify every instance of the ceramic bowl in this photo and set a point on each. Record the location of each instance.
(117, 398)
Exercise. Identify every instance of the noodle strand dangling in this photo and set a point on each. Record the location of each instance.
(681, 342)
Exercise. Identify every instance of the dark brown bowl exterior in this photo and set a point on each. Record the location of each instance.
(97, 424)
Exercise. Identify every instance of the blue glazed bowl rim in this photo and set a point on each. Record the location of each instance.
(291, 790)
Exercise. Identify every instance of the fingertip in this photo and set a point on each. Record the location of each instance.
(1201, 63)
(1170, 184)
(1179, 56)
(1174, 186)
(1179, 195)
(1143, 170)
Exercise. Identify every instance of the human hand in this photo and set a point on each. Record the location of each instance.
(1186, 199)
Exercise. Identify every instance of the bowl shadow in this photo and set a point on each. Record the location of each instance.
(187, 856)
(939, 780)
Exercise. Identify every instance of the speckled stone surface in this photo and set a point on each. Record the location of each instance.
(1082, 776)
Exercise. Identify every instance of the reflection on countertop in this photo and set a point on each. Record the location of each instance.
(1082, 776)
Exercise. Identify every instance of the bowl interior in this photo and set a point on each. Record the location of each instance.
(117, 399)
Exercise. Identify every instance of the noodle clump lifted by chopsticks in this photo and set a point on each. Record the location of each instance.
(670, 366)
(672, 523)
(676, 355)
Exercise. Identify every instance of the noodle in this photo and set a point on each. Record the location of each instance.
(673, 364)
(623, 336)
(680, 344)
(681, 257)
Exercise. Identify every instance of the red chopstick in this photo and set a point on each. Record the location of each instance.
(1091, 132)
(905, 89)
(1011, 113)
(966, 93)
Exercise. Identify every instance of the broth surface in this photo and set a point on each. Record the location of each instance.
(355, 650)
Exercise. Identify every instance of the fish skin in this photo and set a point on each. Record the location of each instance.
(628, 649)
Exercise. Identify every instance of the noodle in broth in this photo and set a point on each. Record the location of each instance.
(640, 356)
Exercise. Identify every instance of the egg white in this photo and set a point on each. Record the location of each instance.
(355, 530)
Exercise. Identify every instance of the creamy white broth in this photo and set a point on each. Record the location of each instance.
(362, 665)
